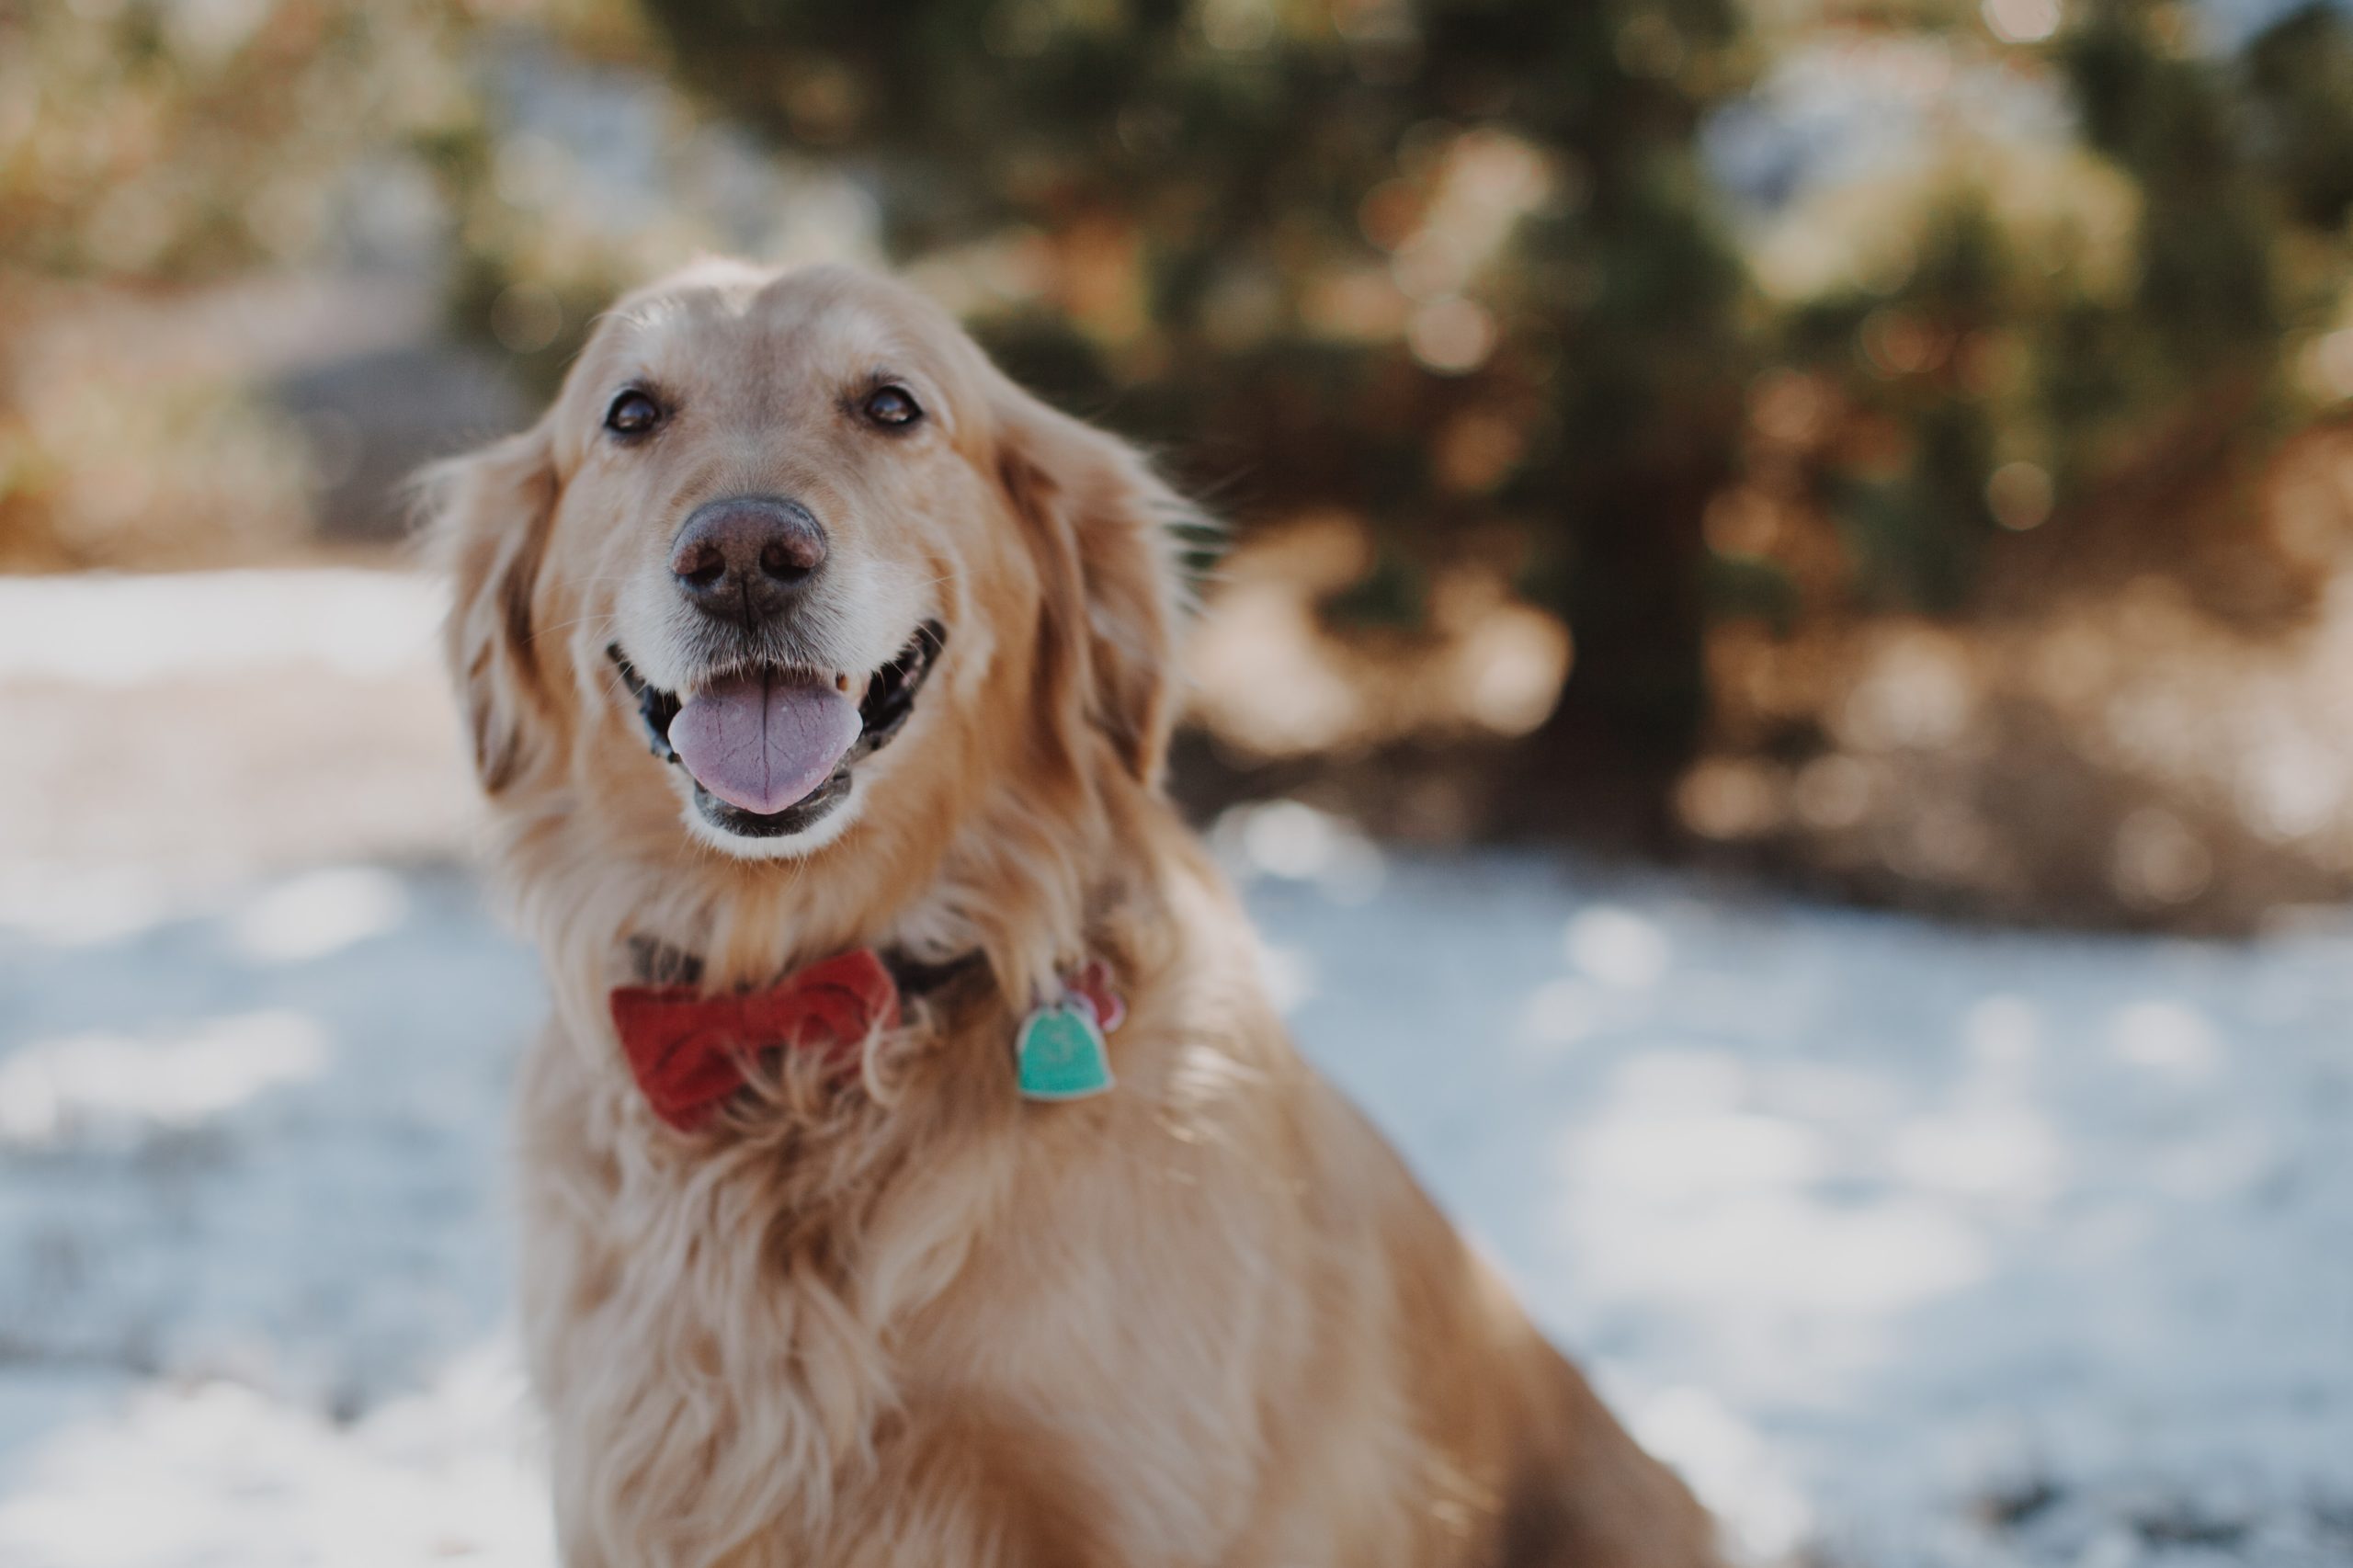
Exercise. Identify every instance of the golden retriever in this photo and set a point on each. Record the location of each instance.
(875, 1304)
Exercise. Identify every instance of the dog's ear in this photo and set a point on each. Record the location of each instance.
(1106, 526)
(489, 514)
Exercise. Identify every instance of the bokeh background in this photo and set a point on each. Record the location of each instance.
(1781, 682)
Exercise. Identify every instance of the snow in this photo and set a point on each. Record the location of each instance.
(109, 628)
(1884, 1228)
(252, 1238)
(1914, 1244)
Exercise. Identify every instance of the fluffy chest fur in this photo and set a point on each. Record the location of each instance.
(954, 1328)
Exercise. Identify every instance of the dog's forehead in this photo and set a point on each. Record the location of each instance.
(824, 325)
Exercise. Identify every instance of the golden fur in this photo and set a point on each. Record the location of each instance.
(1206, 1319)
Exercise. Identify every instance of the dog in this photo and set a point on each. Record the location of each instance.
(914, 1170)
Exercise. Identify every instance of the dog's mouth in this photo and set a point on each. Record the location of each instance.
(771, 748)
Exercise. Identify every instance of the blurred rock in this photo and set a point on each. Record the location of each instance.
(372, 419)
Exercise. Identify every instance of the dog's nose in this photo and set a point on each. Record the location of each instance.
(742, 558)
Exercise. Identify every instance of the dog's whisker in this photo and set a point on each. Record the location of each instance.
(605, 617)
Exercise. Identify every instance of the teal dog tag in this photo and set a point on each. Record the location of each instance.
(1061, 1055)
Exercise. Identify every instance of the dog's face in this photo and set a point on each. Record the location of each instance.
(789, 570)
(773, 482)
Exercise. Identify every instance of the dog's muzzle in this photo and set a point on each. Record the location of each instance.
(882, 713)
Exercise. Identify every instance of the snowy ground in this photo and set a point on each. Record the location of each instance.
(1913, 1245)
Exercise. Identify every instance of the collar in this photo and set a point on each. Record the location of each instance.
(688, 1051)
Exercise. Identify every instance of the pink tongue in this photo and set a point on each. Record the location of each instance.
(761, 743)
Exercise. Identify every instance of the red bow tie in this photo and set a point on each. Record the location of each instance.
(688, 1051)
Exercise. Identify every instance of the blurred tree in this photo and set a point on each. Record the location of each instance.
(148, 149)
(168, 175)
(1447, 264)
(2033, 363)
(2094, 341)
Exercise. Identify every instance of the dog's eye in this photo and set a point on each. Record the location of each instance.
(892, 406)
(632, 413)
